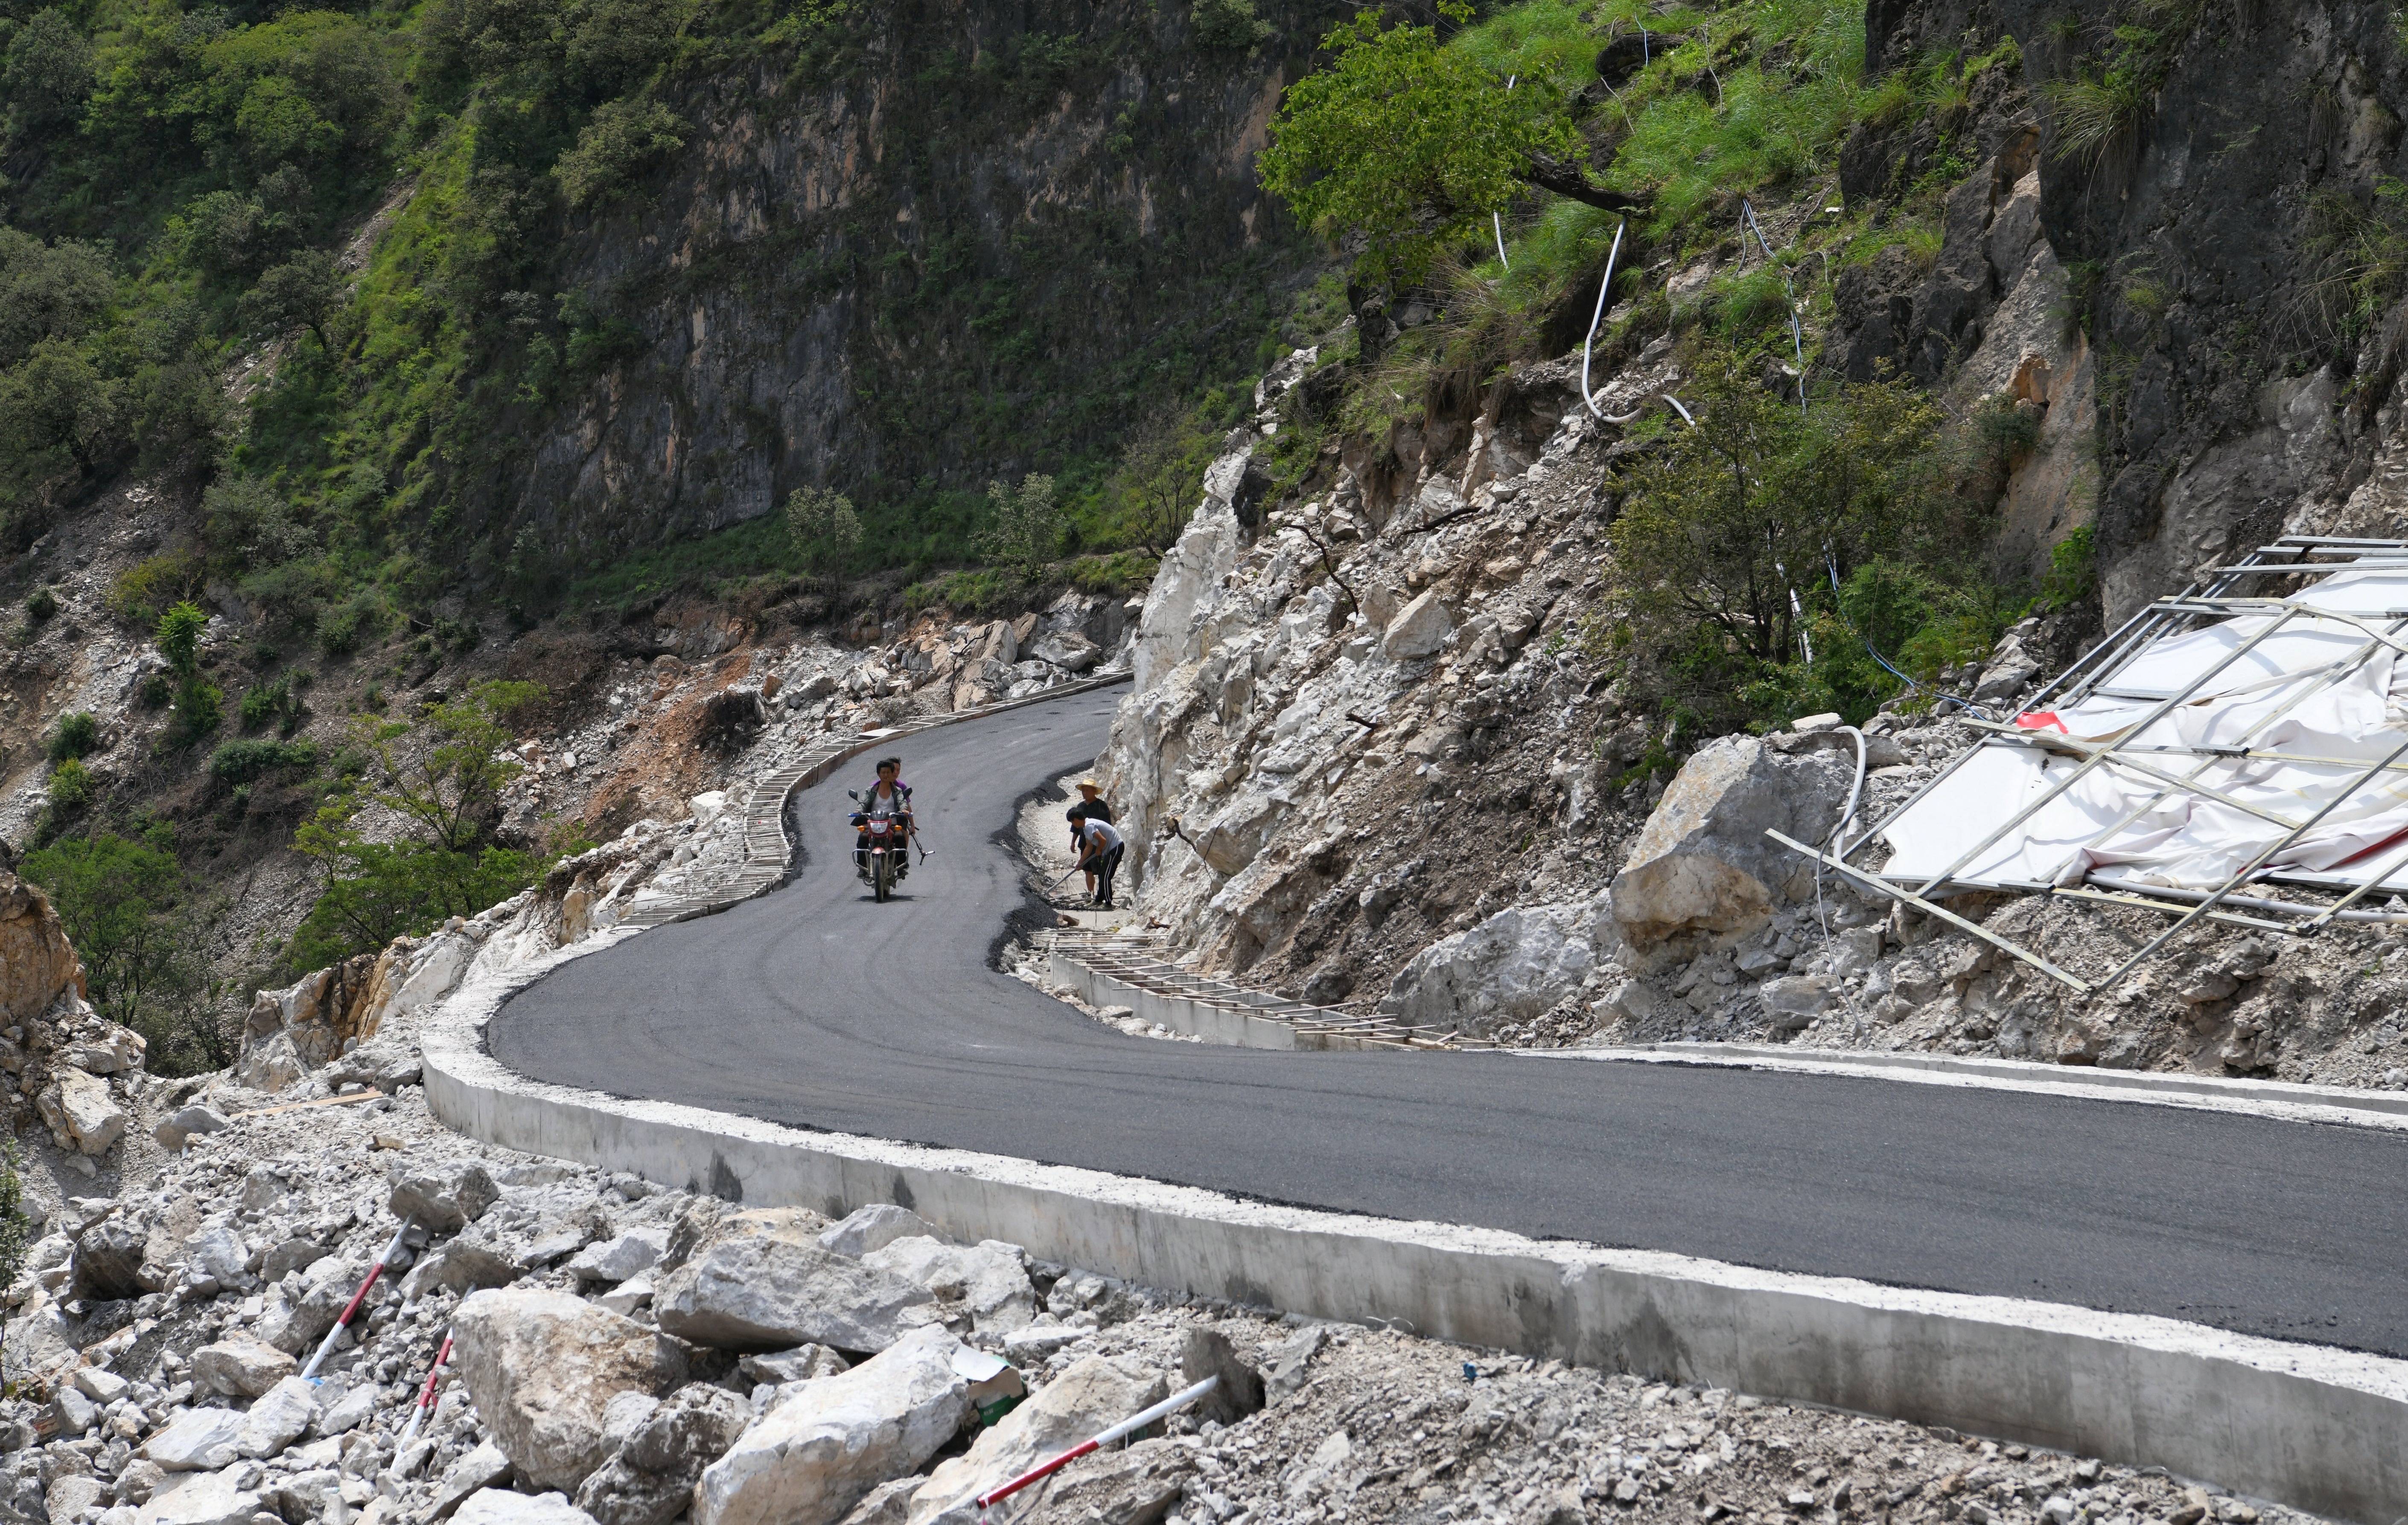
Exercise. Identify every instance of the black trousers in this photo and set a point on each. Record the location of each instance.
(1104, 868)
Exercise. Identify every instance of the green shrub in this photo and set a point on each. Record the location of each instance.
(2072, 571)
(75, 736)
(623, 140)
(41, 604)
(344, 627)
(1230, 25)
(70, 786)
(240, 762)
(278, 703)
(2007, 430)
(148, 588)
(1023, 524)
(825, 528)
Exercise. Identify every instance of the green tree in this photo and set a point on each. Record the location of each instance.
(114, 896)
(48, 70)
(1731, 531)
(443, 779)
(199, 705)
(1161, 477)
(621, 139)
(1412, 144)
(58, 291)
(303, 292)
(1023, 524)
(825, 528)
(1230, 25)
(250, 524)
(59, 403)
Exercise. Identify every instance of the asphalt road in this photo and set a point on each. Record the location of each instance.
(814, 1006)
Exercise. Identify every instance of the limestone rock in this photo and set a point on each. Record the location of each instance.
(749, 1291)
(614, 1260)
(446, 1197)
(188, 1123)
(802, 1364)
(240, 1367)
(109, 1258)
(196, 1440)
(279, 1419)
(104, 1048)
(651, 1481)
(1419, 629)
(991, 1276)
(211, 1498)
(1510, 968)
(875, 1227)
(79, 1106)
(36, 965)
(482, 1468)
(1068, 650)
(542, 1366)
(813, 1456)
(269, 1064)
(1092, 1394)
(500, 1507)
(888, 1504)
(1140, 1483)
(1703, 863)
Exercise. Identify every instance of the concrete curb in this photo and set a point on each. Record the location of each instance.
(1112, 971)
(2315, 1428)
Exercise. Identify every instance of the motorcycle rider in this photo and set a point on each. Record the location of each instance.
(891, 797)
(1100, 846)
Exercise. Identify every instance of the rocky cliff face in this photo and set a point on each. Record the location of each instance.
(961, 255)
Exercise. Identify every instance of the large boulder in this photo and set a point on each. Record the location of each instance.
(1092, 1394)
(875, 1227)
(1703, 864)
(813, 1456)
(209, 1497)
(651, 1481)
(279, 1419)
(36, 965)
(1419, 629)
(501, 1506)
(1509, 968)
(542, 1366)
(240, 1367)
(991, 1276)
(444, 1197)
(746, 1290)
(81, 1111)
(196, 1440)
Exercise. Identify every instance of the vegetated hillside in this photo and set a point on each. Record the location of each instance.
(355, 360)
(538, 286)
(2084, 301)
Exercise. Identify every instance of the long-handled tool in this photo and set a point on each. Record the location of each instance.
(326, 1346)
(1129, 1426)
(425, 1405)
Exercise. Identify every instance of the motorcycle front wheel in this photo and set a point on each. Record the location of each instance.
(882, 876)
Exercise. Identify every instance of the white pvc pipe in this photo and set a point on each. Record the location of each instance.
(1595, 318)
(1496, 220)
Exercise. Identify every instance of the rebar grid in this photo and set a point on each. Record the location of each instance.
(2319, 902)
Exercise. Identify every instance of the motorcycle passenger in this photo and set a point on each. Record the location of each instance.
(889, 797)
(1101, 847)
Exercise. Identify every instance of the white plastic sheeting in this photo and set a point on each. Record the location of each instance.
(2315, 693)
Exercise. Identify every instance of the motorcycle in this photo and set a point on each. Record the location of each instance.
(886, 840)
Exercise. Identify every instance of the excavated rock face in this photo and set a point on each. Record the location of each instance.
(36, 965)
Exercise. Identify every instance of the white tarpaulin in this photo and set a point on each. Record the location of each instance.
(2326, 696)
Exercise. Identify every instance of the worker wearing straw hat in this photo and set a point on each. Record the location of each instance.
(1091, 806)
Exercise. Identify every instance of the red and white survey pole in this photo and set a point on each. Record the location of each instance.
(327, 1345)
(427, 1395)
(1129, 1426)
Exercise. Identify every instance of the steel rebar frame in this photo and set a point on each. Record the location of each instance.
(2307, 556)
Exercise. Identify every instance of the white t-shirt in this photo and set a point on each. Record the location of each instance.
(1099, 835)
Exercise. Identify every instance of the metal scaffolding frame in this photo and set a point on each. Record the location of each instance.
(2310, 902)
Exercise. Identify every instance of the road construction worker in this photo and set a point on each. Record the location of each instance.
(1091, 806)
(1101, 847)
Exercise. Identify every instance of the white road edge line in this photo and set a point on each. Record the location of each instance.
(2315, 1428)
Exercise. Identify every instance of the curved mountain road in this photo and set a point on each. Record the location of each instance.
(814, 1008)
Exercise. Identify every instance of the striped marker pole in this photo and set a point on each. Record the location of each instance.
(1129, 1426)
(326, 1346)
(426, 1394)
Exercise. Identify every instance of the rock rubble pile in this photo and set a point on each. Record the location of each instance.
(630, 1353)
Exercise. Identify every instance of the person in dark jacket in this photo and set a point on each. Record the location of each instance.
(1091, 806)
